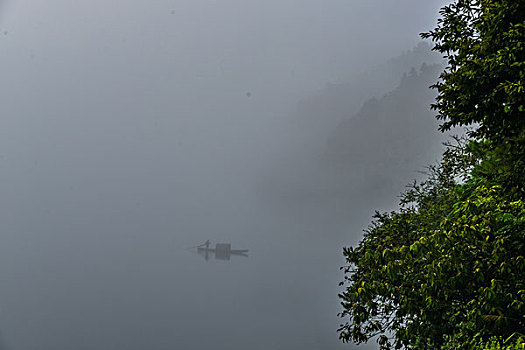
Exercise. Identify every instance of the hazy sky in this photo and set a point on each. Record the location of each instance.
(203, 39)
(128, 85)
(130, 130)
(175, 73)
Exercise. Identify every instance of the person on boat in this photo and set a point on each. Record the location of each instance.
(206, 244)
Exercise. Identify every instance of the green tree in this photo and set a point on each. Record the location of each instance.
(447, 269)
(495, 344)
(483, 84)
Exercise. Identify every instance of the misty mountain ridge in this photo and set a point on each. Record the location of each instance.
(389, 139)
(336, 102)
(378, 148)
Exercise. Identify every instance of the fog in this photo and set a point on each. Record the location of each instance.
(133, 131)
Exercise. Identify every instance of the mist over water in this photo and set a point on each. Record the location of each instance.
(131, 132)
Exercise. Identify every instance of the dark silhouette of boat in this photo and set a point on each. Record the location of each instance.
(222, 251)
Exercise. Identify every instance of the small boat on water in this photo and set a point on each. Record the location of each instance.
(222, 251)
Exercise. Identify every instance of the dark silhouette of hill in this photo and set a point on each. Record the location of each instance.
(348, 148)
(384, 145)
(320, 113)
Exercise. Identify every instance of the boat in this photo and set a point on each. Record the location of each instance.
(222, 251)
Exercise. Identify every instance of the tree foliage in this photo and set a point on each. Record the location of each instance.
(495, 344)
(483, 84)
(447, 269)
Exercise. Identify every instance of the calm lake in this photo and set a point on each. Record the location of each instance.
(127, 279)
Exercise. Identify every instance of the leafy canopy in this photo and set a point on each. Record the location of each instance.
(483, 84)
(447, 270)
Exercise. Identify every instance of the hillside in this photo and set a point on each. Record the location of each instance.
(389, 139)
(337, 101)
(343, 144)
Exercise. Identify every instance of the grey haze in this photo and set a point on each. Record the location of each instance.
(131, 131)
